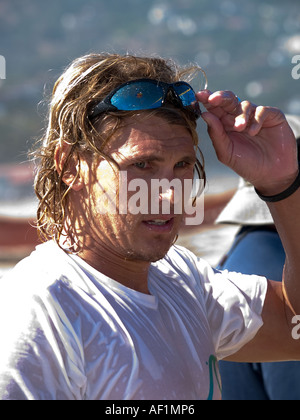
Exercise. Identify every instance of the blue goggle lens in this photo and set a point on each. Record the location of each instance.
(137, 96)
(146, 94)
(185, 93)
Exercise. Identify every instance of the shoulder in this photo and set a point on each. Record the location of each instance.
(43, 286)
(182, 264)
(42, 269)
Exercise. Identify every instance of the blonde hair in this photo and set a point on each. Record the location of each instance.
(84, 83)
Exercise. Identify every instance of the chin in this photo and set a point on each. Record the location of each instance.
(152, 255)
(150, 250)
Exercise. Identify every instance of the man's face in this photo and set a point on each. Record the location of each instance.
(145, 149)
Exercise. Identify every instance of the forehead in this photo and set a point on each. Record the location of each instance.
(150, 134)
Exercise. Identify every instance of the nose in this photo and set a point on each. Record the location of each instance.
(166, 196)
(167, 191)
(166, 200)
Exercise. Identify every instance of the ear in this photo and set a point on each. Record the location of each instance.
(68, 166)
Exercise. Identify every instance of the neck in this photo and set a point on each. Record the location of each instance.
(130, 273)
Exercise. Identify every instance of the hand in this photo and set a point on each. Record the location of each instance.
(255, 141)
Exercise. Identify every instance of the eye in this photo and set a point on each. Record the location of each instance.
(185, 163)
(181, 164)
(141, 165)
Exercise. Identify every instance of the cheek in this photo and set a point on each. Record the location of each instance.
(116, 231)
(104, 191)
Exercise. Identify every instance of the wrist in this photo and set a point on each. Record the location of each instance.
(284, 192)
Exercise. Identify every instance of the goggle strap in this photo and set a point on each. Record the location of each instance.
(102, 107)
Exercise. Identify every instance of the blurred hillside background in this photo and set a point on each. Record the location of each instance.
(244, 46)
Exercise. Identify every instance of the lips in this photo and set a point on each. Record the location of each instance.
(157, 222)
(162, 225)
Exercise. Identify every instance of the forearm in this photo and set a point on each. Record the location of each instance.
(286, 217)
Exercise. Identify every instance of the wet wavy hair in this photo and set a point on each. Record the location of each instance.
(84, 83)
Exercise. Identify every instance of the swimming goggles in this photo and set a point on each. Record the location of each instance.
(145, 94)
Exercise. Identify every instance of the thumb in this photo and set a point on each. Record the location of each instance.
(220, 140)
(216, 132)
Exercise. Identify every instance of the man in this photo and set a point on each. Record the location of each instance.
(108, 308)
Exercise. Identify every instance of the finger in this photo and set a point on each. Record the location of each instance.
(227, 100)
(258, 119)
(266, 117)
(247, 110)
(203, 96)
(223, 104)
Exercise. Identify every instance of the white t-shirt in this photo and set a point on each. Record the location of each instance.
(69, 332)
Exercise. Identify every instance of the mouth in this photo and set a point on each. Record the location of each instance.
(160, 225)
(157, 222)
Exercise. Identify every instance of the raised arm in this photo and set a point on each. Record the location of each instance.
(258, 144)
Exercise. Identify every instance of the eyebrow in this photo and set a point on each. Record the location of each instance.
(157, 158)
(148, 157)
